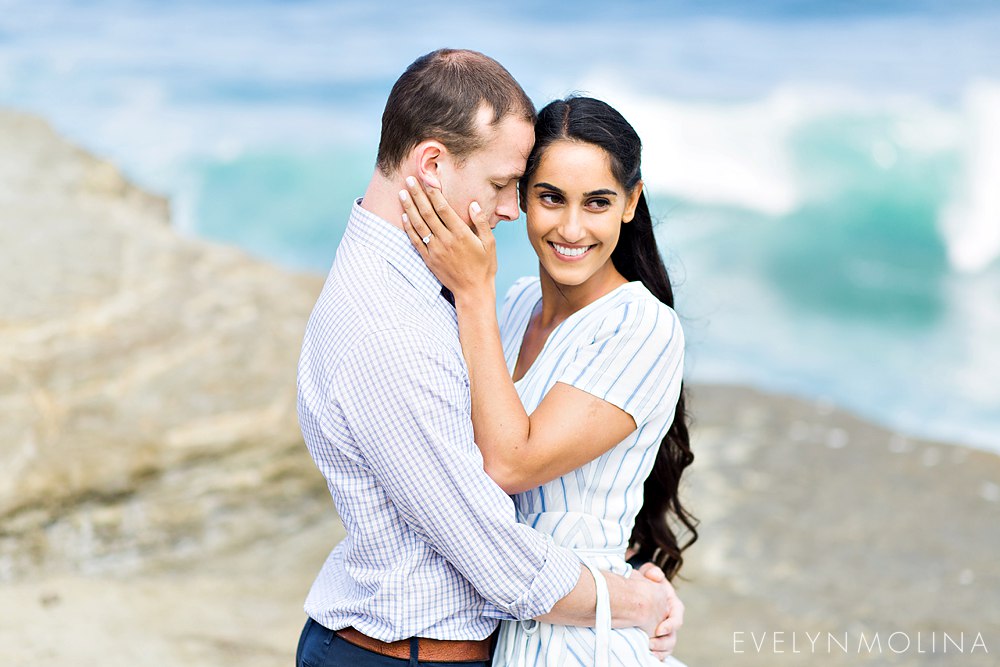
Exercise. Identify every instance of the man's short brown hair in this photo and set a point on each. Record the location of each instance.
(439, 97)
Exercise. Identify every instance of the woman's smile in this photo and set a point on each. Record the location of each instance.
(570, 253)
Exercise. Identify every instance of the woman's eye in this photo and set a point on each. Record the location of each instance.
(599, 203)
(550, 198)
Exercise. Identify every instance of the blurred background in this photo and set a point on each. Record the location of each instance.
(827, 175)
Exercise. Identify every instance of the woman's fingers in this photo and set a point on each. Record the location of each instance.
(444, 211)
(663, 645)
(424, 208)
(412, 218)
(415, 237)
(676, 616)
(481, 222)
(652, 572)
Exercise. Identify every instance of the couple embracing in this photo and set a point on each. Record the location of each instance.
(494, 476)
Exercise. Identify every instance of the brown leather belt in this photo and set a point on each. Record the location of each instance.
(431, 650)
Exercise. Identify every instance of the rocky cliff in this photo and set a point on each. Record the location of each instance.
(147, 381)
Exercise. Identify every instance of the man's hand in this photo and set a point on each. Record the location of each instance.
(663, 641)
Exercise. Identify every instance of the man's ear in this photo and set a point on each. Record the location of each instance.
(428, 155)
(633, 201)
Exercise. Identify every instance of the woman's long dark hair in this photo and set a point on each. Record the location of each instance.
(636, 257)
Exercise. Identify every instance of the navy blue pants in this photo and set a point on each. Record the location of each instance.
(320, 647)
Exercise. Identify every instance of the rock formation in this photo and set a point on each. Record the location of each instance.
(147, 381)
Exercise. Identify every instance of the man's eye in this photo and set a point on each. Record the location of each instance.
(498, 186)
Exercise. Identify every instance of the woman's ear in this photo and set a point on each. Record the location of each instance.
(632, 202)
(428, 155)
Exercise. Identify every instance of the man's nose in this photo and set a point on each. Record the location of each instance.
(507, 205)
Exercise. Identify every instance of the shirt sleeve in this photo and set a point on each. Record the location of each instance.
(409, 412)
(634, 360)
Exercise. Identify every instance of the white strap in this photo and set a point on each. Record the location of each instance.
(602, 648)
(519, 642)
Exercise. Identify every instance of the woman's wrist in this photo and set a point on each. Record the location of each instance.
(478, 297)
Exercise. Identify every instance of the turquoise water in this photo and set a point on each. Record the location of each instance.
(825, 176)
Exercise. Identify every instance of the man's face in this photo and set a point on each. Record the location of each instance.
(489, 176)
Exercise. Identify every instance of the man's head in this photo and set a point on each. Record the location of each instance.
(459, 120)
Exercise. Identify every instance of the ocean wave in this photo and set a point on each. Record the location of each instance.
(753, 155)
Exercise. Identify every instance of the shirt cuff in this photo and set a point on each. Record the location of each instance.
(558, 576)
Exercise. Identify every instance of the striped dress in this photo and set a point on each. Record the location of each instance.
(626, 348)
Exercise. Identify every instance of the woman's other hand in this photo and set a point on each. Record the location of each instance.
(664, 640)
(462, 257)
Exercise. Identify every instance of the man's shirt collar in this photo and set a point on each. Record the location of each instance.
(393, 245)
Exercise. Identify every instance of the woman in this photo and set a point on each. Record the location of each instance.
(577, 394)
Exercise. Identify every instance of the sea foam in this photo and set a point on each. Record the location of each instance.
(971, 221)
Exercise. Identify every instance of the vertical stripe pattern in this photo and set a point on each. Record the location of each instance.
(626, 348)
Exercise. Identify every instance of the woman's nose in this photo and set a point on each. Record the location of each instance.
(571, 228)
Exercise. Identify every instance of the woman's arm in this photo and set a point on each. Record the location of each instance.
(570, 427)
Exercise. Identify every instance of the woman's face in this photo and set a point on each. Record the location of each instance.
(575, 208)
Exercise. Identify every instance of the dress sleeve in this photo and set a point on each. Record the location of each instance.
(517, 305)
(517, 296)
(634, 359)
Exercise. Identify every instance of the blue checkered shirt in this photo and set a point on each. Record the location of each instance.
(433, 548)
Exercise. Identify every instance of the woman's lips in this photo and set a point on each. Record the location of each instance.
(570, 253)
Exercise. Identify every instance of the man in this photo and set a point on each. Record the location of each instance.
(433, 555)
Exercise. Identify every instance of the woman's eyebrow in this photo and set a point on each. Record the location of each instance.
(602, 191)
